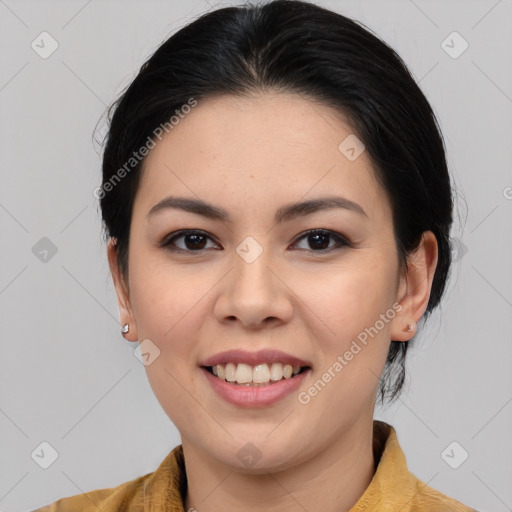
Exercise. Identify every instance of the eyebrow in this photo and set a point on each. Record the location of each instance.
(283, 214)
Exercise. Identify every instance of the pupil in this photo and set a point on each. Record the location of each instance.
(195, 238)
(324, 236)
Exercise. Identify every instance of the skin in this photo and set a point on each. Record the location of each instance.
(250, 156)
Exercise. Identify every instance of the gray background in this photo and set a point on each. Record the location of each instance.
(68, 377)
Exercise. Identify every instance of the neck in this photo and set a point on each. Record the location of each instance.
(332, 481)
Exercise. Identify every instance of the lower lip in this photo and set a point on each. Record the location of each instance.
(255, 396)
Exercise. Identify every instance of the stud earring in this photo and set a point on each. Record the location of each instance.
(125, 329)
(409, 327)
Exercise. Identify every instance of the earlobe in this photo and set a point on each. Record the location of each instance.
(128, 327)
(414, 288)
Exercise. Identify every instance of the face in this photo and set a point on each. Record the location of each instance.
(201, 285)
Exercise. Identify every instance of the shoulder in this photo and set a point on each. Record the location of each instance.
(167, 482)
(428, 498)
(395, 487)
(129, 494)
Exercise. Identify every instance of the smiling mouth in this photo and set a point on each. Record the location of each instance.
(255, 376)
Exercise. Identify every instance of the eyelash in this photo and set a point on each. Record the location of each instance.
(169, 240)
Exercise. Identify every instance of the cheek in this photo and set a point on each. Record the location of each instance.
(162, 296)
(169, 308)
(352, 338)
(346, 298)
(172, 308)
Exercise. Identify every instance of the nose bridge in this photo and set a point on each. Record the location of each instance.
(254, 293)
(251, 275)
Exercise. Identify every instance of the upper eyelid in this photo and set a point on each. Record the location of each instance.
(183, 232)
(334, 234)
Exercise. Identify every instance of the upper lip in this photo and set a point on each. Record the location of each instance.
(254, 358)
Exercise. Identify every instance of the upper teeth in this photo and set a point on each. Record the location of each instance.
(261, 373)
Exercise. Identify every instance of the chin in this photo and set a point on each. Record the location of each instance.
(257, 454)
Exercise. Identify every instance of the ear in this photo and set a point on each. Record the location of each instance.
(122, 292)
(414, 287)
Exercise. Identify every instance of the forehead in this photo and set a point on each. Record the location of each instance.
(267, 147)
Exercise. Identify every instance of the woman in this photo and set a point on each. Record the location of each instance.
(277, 206)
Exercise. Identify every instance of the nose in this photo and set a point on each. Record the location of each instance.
(254, 294)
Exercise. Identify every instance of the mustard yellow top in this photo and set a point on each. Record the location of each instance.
(393, 487)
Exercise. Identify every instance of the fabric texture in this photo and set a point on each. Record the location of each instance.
(393, 487)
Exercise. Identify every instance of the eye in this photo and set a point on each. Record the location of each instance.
(194, 241)
(319, 240)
